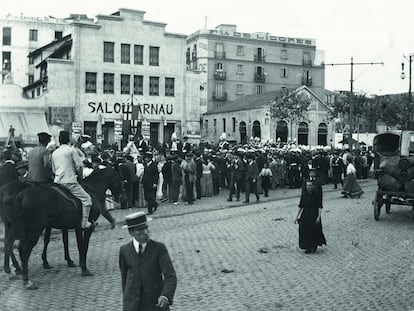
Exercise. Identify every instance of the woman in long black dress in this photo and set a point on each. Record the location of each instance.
(309, 217)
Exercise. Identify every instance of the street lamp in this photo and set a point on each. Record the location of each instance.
(402, 76)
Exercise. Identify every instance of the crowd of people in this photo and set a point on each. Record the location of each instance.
(181, 172)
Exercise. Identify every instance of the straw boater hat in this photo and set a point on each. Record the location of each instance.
(136, 220)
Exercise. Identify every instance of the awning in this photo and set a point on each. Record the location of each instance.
(26, 125)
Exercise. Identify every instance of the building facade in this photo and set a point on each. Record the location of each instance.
(233, 64)
(108, 75)
(22, 35)
(249, 117)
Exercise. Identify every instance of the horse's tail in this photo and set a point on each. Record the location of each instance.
(16, 217)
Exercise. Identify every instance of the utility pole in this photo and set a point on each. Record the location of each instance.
(351, 104)
(410, 120)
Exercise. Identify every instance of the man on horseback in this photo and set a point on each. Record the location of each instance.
(40, 167)
(66, 162)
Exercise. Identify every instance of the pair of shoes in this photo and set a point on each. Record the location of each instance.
(175, 203)
(246, 201)
(308, 251)
(229, 200)
(189, 203)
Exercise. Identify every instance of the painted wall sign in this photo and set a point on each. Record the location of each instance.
(127, 108)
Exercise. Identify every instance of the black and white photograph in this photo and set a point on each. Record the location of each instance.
(204, 156)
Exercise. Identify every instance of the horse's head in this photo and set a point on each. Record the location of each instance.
(102, 179)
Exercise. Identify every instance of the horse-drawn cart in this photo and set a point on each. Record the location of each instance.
(394, 170)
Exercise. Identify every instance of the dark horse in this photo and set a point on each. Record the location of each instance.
(36, 207)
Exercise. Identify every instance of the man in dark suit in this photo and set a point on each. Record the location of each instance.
(199, 170)
(190, 177)
(186, 145)
(237, 171)
(147, 273)
(150, 182)
(252, 174)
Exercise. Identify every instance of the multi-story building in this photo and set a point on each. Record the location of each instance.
(118, 67)
(22, 35)
(234, 64)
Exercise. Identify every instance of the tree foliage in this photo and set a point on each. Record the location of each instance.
(394, 110)
(290, 105)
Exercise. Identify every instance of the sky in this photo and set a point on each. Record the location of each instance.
(365, 30)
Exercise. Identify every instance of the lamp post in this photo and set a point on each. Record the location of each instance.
(402, 76)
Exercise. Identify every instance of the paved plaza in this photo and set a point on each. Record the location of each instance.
(232, 256)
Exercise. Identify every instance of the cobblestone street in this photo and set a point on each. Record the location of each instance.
(231, 256)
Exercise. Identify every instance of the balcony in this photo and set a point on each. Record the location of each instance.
(306, 81)
(260, 58)
(219, 55)
(259, 78)
(307, 62)
(222, 96)
(220, 75)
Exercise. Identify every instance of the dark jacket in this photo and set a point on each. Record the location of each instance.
(166, 171)
(150, 176)
(176, 173)
(252, 171)
(146, 277)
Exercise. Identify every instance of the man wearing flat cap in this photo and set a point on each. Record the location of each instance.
(40, 166)
(147, 274)
(150, 182)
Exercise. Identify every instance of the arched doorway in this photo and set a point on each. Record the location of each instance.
(243, 132)
(303, 133)
(282, 131)
(256, 131)
(322, 134)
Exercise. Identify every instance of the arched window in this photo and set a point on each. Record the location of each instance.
(322, 134)
(243, 132)
(303, 133)
(282, 131)
(256, 131)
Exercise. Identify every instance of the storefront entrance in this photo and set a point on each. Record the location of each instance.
(168, 130)
(154, 132)
(243, 132)
(89, 128)
(282, 131)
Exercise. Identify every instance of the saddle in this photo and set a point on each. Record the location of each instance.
(66, 194)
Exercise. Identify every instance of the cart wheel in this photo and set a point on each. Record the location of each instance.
(377, 207)
(387, 207)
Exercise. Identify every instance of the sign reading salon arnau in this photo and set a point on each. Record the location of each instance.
(144, 109)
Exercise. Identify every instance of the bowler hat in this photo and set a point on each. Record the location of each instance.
(148, 154)
(136, 221)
